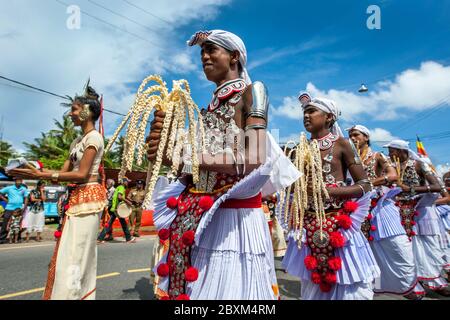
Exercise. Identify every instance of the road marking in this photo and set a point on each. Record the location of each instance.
(108, 275)
(26, 247)
(139, 270)
(23, 293)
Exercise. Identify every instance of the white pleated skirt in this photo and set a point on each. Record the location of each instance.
(395, 258)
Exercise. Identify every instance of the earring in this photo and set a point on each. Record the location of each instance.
(85, 113)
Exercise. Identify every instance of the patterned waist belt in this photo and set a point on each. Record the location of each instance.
(249, 203)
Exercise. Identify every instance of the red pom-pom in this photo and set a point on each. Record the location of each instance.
(315, 277)
(163, 270)
(373, 228)
(330, 278)
(183, 297)
(337, 240)
(172, 203)
(335, 263)
(310, 262)
(370, 238)
(188, 238)
(350, 206)
(412, 233)
(344, 221)
(403, 223)
(191, 274)
(161, 242)
(57, 234)
(369, 216)
(325, 287)
(206, 203)
(164, 298)
(416, 213)
(164, 234)
(106, 225)
(413, 223)
(373, 203)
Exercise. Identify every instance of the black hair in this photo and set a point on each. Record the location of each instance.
(91, 98)
(40, 183)
(368, 143)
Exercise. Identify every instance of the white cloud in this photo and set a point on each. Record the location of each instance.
(381, 136)
(442, 169)
(412, 89)
(37, 48)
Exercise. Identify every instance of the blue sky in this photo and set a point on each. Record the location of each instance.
(324, 46)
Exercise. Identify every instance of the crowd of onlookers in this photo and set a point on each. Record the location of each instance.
(22, 210)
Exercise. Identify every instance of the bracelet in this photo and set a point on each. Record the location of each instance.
(386, 179)
(55, 176)
(362, 189)
(413, 191)
(428, 188)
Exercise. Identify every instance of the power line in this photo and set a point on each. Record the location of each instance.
(34, 88)
(145, 11)
(425, 114)
(112, 25)
(48, 92)
(121, 15)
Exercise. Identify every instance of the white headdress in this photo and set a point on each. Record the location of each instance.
(328, 106)
(226, 40)
(361, 129)
(403, 145)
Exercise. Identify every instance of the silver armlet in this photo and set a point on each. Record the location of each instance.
(260, 106)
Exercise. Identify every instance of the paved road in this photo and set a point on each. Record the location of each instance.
(123, 271)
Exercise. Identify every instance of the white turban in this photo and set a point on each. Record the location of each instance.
(361, 129)
(327, 106)
(226, 40)
(403, 145)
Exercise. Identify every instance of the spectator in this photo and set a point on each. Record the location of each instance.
(14, 226)
(118, 197)
(34, 218)
(17, 199)
(136, 197)
(110, 191)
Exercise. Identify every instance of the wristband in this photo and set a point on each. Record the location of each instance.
(55, 176)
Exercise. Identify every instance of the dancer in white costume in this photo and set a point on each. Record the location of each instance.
(420, 188)
(337, 264)
(73, 268)
(382, 227)
(220, 246)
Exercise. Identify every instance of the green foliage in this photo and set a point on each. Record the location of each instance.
(52, 148)
(6, 152)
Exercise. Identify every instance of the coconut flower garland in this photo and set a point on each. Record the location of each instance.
(180, 112)
(308, 161)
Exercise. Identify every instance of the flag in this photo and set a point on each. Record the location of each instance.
(423, 154)
(420, 148)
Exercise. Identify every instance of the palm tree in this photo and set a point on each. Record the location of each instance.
(6, 152)
(52, 148)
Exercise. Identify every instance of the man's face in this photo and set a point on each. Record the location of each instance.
(216, 61)
(397, 153)
(314, 119)
(18, 182)
(358, 138)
